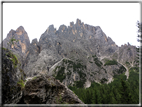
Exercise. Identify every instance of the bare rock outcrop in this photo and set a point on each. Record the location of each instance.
(20, 47)
(23, 40)
(128, 55)
(43, 89)
(78, 41)
(12, 78)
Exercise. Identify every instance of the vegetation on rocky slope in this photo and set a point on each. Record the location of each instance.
(61, 75)
(97, 61)
(12, 57)
(12, 77)
(119, 91)
(110, 62)
(77, 67)
(120, 70)
(21, 83)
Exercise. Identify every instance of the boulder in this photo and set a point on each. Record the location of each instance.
(43, 89)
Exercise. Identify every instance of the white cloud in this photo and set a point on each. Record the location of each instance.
(117, 20)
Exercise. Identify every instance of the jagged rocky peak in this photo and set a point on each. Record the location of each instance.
(20, 30)
(11, 32)
(51, 29)
(34, 46)
(72, 42)
(127, 53)
(34, 41)
(71, 24)
(23, 40)
(78, 22)
(62, 28)
(110, 41)
(32, 51)
(91, 28)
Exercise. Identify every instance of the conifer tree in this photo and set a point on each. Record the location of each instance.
(125, 93)
(93, 99)
(99, 98)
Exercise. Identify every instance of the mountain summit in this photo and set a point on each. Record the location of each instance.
(79, 52)
(77, 55)
(82, 44)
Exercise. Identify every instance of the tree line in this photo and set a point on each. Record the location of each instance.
(120, 91)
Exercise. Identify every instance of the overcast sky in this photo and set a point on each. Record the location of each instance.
(117, 20)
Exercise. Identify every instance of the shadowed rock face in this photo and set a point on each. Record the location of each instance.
(11, 75)
(47, 90)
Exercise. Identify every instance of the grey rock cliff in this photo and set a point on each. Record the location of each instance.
(19, 48)
(21, 35)
(77, 42)
(81, 42)
(41, 89)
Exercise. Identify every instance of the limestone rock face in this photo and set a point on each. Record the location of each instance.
(75, 55)
(76, 41)
(40, 63)
(32, 52)
(19, 48)
(81, 42)
(23, 40)
(83, 45)
(127, 53)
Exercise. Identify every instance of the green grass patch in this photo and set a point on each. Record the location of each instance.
(110, 62)
(34, 78)
(4, 48)
(21, 83)
(13, 58)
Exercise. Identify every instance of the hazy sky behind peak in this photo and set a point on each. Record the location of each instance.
(117, 20)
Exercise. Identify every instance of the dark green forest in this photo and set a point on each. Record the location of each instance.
(120, 91)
